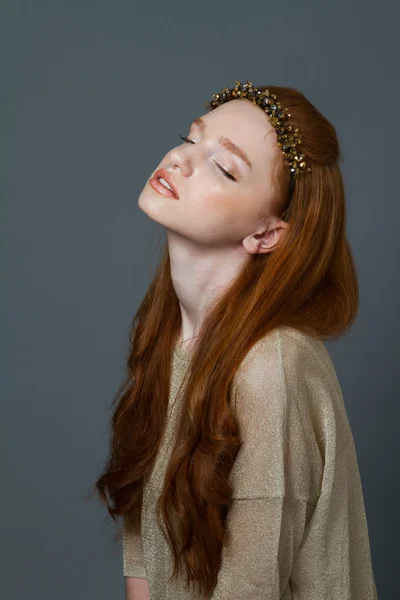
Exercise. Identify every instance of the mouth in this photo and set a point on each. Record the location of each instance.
(162, 182)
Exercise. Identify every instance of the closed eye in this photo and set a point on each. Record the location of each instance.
(224, 171)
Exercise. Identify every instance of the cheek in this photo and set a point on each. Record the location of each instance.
(206, 197)
(231, 206)
(220, 210)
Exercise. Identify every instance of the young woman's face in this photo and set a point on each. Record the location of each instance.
(213, 209)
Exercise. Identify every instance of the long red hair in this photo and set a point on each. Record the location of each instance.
(308, 282)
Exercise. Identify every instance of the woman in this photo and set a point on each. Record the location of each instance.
(232, 461)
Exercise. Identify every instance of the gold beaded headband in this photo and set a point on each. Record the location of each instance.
(288, 138)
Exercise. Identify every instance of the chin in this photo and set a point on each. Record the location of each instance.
(153, 205)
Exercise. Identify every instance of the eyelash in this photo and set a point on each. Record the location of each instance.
(224, 171)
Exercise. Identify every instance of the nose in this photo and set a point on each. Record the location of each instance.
(179, 157)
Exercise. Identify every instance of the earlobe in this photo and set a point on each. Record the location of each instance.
(267, 240)
(260, 243)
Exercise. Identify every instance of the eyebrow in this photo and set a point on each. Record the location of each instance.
(226, 142)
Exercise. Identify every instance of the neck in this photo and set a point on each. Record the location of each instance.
(199, 275)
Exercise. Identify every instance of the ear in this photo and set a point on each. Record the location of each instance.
(266, 240)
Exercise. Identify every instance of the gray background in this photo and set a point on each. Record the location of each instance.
(93, 94)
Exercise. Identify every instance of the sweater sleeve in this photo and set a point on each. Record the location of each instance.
(133, 561)
(334, 560)
(296, 528)
(264, 535)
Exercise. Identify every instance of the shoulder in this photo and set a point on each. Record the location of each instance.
(289, 347)
(290, 373)
(288, 354)
(291, 353)
(284, 426)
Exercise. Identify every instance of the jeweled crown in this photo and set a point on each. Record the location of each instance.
(288, 138)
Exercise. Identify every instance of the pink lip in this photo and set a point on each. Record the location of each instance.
(168, 177)
(159, 187)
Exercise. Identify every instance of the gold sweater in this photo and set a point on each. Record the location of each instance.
(297, 522)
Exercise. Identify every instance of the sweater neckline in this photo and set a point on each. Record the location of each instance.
(182, 353)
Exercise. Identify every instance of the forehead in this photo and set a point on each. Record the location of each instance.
(246, 125)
